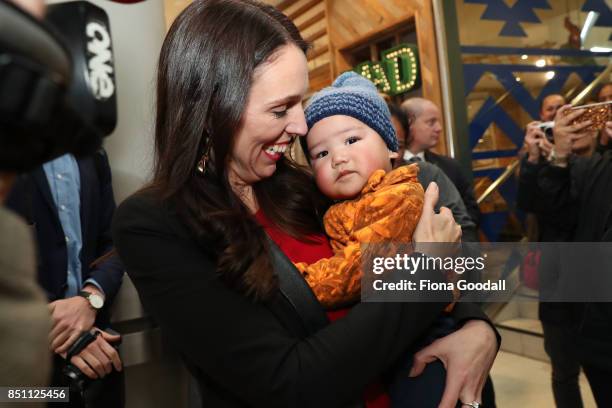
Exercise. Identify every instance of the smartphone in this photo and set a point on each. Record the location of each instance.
(597, 113)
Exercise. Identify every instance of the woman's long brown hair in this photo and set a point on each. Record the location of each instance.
(205, 70)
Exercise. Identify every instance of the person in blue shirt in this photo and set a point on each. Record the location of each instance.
(69, 203)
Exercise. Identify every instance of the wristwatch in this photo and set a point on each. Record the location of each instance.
(96, 301)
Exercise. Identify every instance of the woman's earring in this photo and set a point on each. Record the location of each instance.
(202, 163)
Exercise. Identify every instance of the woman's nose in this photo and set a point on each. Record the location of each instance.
(297, 122)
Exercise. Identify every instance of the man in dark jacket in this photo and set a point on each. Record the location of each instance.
(425, 128)
(69, 202)
(428, 172)
(584, 184)
(557, 316)
(538, 149)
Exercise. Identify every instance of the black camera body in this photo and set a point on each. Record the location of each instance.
(78, 381)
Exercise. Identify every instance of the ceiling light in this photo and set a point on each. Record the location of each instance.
(588, 24)
(524, 57)
(550, 75)
(540, 63)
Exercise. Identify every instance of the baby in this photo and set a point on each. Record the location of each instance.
(350, 145)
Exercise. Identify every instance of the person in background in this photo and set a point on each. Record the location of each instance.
(449, 196)
(209, 244)
(604, 95)
(25, 360)
(583, 185)
(556, 317)
(69, 203)
(538, 146)
(425, 128)
(24, 319)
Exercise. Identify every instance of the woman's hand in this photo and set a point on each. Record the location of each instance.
(565, 134)
(545, 147)
(467, 355)
(533, 136)
(435, 228)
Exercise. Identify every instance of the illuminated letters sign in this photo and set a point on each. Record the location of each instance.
(396, 72)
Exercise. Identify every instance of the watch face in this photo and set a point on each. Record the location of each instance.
(96, 301)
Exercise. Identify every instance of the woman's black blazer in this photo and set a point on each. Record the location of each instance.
(246, 354)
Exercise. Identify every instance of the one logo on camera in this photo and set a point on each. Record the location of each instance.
(99, 60)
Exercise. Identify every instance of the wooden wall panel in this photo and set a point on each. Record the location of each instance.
(355, 22)
(173, 8)
(315, 31)
(310, 16)
(300, 8)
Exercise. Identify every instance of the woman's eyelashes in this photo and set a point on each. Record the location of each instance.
(280, 113)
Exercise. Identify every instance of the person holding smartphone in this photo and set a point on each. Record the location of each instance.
(558, 338)
(583, 185)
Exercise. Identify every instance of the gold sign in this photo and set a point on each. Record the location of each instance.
(397, 71)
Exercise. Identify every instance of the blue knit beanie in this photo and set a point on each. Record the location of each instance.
(355, 96)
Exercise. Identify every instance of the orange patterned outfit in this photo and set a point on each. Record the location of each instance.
(388, 209)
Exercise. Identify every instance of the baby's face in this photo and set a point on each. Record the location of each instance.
(344, 152)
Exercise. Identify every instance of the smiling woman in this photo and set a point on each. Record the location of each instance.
(271, 118)
(234, 136)
(195, 242)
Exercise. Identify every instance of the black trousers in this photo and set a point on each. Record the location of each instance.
(600, 380)
(560, 345)
(108, 392)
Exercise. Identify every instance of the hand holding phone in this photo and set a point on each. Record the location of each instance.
(597, 113)
(568, 128)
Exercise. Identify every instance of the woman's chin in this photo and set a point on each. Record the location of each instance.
(266, 171)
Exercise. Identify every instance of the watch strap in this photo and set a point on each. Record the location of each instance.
(87, 295)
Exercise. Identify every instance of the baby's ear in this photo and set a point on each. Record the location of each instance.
(393, 155)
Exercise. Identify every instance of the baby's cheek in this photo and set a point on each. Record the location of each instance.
(321, 179)
(324, 182)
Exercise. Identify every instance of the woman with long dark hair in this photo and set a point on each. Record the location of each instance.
(201, 242)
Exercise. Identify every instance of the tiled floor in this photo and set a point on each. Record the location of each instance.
(523, 382)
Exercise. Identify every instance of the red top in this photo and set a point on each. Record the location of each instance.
(310, 252)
